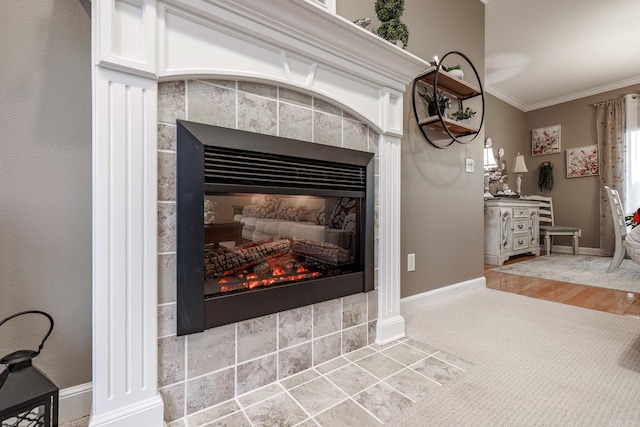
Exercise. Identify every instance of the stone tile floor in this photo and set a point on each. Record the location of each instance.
(363, 388)
(366, 387)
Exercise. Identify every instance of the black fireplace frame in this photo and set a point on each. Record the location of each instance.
(195, 313)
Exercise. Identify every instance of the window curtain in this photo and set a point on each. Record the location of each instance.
(632, 158)
(610, 131)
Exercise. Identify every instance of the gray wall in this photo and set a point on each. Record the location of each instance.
(442, 206)
(45, 170)
(507, 128)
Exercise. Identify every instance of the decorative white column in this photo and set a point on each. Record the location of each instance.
(390, 325)
(125, 361)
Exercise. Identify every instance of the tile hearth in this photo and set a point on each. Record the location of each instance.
(366, 387)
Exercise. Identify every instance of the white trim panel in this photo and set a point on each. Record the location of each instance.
(126, 34)
(192, 46)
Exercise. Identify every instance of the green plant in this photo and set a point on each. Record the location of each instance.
(394, 30)
(454, 67)
(387, 10)
(440, 102)
(391, 28)
(467, 113)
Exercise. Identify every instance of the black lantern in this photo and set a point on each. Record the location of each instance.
(27, 397)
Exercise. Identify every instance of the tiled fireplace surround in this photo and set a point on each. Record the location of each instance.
(200, 370)
(282, 67)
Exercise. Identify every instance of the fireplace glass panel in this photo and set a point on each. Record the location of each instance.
(255, 241)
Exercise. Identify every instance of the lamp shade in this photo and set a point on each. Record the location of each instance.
(518, 164)
(489, 159)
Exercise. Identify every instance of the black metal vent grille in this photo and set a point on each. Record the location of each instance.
(247, 168)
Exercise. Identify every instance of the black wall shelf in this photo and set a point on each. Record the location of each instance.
(439, 130)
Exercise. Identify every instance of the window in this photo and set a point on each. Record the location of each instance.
(632, 156)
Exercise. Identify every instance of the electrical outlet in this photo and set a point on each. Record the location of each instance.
(411, 262)
(469, 165)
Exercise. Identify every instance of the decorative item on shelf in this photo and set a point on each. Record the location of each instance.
(506, 191)
(490, 166)
(440, 102)
(545, 176)
(364, 23)
(494, 171)
(391, 28)
(519, 167)
(27, 396)
(464, 116)
(455, 71)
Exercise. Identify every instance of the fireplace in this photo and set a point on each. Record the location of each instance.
(267, 224)
(291, 44)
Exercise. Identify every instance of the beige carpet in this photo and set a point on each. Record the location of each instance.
(535, 363)
(582, 269)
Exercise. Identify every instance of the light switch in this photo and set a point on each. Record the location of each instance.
(411, 262)
(469, 165)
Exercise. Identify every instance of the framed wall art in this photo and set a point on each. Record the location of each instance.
(582, 161)
(545, 140)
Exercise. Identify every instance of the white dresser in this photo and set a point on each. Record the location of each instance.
(510, 228)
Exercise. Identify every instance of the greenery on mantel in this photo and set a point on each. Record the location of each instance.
(391, 28)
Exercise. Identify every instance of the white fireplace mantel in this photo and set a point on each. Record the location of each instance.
(136, 43)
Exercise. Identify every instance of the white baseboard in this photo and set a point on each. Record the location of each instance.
(390, 330)
(446, 292)
(75, 402)
(148, 413)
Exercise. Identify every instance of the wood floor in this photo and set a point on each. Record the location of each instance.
(619, 302)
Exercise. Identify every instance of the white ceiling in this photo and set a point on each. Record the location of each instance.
(544, 52)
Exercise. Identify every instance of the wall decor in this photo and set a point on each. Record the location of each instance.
(582, 161)
(545, 140)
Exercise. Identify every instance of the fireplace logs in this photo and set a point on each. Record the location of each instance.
(237, 260)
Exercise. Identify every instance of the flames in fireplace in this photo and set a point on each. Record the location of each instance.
(277, 271)
(271, 262)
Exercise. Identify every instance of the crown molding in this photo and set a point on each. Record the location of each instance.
(504, 97)
(559, 100)
(583, 94)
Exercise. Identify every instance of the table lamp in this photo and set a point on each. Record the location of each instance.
(519, 167)
(489, 166)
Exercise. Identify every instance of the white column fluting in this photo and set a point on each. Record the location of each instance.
(390, 322)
